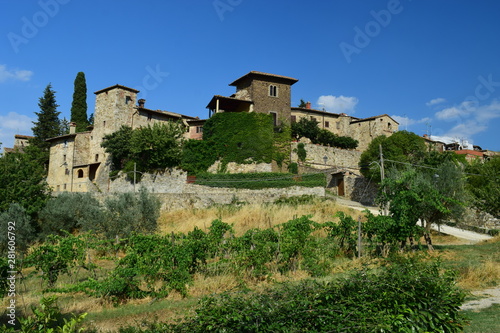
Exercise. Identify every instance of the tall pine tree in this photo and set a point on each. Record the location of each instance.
(48, 124)
(79, 105)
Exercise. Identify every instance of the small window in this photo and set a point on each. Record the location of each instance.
(104, 123)
(80, 173)
(96, 157)
(64, 187)
(150, 116)
(64, 158)
(293, 119)
(66, 171)
(327, 124)
(389, 125)
(273, 91)
(128, 99)
(313, 118)
(275, 118)
(199, 129)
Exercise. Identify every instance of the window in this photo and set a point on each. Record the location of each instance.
(64, 158)
(66, 171)
(128, 99)
(273, 91)
(293, 119)
(150, 116)
(80, 173)
(275, 118)
(327, 124)
(64, 187)
(389, 126)
(104, 123)
(313, 118)
(199, 129)
(96, 157)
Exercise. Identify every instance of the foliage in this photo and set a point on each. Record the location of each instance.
(47, 125)
(79, 104)
(118, 144)
(261, 180)
(305, 128)
(158, 146)
(57, 256)
(402, 146)
(281, 143)
(23, 180)
(240, 137)
(484, 184)
(308, 128)
(293, 168)
(408, 295)
(431, 197)
(302, 103)
(70, 211)
(20, 222)
(129, 212)
(301, 152)
(197, 156)
(47, 318)
(4, 269)
(150, 148)
(345, 232)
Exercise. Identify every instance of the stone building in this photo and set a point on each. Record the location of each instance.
(271, 94)
(20, 141)
(77, 161)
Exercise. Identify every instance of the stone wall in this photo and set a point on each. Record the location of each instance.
(170, 181)
(198, 196)
(335, 157)
(233, 167)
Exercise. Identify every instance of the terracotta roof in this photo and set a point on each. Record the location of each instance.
(20, 136)
(373, 118)
(166, 113)
(255, 73)
(117, 86)
(62, 137)
(316, 111)
(8, 150)
(227, 100)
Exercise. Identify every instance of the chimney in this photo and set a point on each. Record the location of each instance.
(308, 105)
(141, 102)
(72, 127)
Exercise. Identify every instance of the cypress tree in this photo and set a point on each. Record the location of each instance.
(48, 124)
(79, 105)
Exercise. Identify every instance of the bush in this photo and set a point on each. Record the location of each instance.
(129, 212)
(407, 295)
(16, 220)
(70, 211)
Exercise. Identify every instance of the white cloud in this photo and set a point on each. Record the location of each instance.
(14, 74)
(406, 121)
(11, 124)
(435, 101)
(340, 104)
(471, 118)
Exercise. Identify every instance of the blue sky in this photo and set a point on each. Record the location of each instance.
(432, 64)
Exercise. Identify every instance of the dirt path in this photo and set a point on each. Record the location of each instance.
(491, 296)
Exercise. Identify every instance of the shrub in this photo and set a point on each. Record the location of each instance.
(70, 211)
(407, 295)
(17, 221)
(261, 180)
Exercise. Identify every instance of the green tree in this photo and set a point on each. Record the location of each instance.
(305, 128)
(118, 144)
(302, 103)
(427, 195)
(402, 147)
(48, 124)
(23, 180)
(158, 146)
(79, 104)
(484, 184)
(17, 217)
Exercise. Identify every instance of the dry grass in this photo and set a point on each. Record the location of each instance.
(246, 217)
(484, 275)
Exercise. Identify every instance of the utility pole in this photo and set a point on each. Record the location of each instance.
(135, 169)
(382, 175)
(359, 237)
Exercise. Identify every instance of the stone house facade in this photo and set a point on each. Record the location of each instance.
(77, 161)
